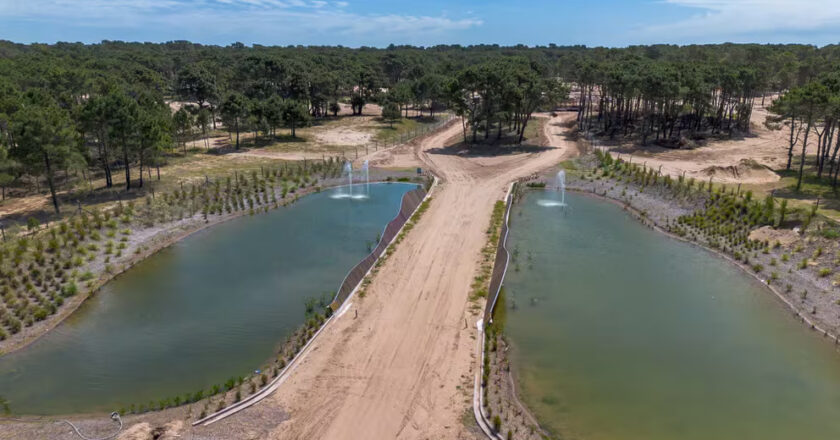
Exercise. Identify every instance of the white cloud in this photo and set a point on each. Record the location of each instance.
(264, 21)
(729, 19)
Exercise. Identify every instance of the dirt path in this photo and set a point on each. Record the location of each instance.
(403, 367)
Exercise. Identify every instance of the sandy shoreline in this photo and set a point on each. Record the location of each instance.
(656, 209)
(638, 216)
(400, 365)
(504, 376)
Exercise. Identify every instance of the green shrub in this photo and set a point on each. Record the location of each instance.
(70, 289)
(831, 233)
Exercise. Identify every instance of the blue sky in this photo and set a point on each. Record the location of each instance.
(423, 22)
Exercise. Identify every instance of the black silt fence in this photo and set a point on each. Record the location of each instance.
(411, 200)
(499, 265)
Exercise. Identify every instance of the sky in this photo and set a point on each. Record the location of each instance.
(354, 23)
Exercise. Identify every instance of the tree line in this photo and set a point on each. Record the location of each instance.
(670, 99)
(666, 100)
(503, 94)
(810, 114)
(93, 111)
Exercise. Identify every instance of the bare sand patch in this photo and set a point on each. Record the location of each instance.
(785, 237)
(402, 156)
(750, 160)
(344, 136)
(368, 110)
(138, 431)
(403, 367)
(746, 171)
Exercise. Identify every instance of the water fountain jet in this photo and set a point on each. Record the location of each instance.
(366, 173)
(348, 169)
(560, 184)
(346, 192)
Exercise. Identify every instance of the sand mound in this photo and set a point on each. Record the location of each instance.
(747, 170)
(785, 237)
(144, 431)
(140, 431)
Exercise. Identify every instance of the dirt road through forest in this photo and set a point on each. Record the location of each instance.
(403, 367)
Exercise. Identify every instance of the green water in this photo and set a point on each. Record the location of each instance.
(210, 307)
(624, 334)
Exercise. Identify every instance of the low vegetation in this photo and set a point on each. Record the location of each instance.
(782, 246)
(481, 281)
(727, 215)
(218, 397)
(41, 269)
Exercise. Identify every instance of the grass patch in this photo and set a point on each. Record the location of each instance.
(481, 282)
(404, 129)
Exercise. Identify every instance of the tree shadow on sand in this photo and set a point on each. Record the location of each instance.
(481, 150)
(251, 144)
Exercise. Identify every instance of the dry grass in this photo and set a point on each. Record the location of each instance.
(221, 159)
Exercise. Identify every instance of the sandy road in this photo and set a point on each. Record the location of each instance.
(403, 367)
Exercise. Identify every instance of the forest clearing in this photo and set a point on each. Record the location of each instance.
(249, 241)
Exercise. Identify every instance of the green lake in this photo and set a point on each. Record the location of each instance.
(214, 305)
(621, 333)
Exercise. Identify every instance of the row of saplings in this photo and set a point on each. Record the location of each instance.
(728, 214)
(490, 346)
(220, 396)
(494, 358)
(239, 192)
(40, 269)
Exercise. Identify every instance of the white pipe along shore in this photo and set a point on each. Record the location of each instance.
(290, 367)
